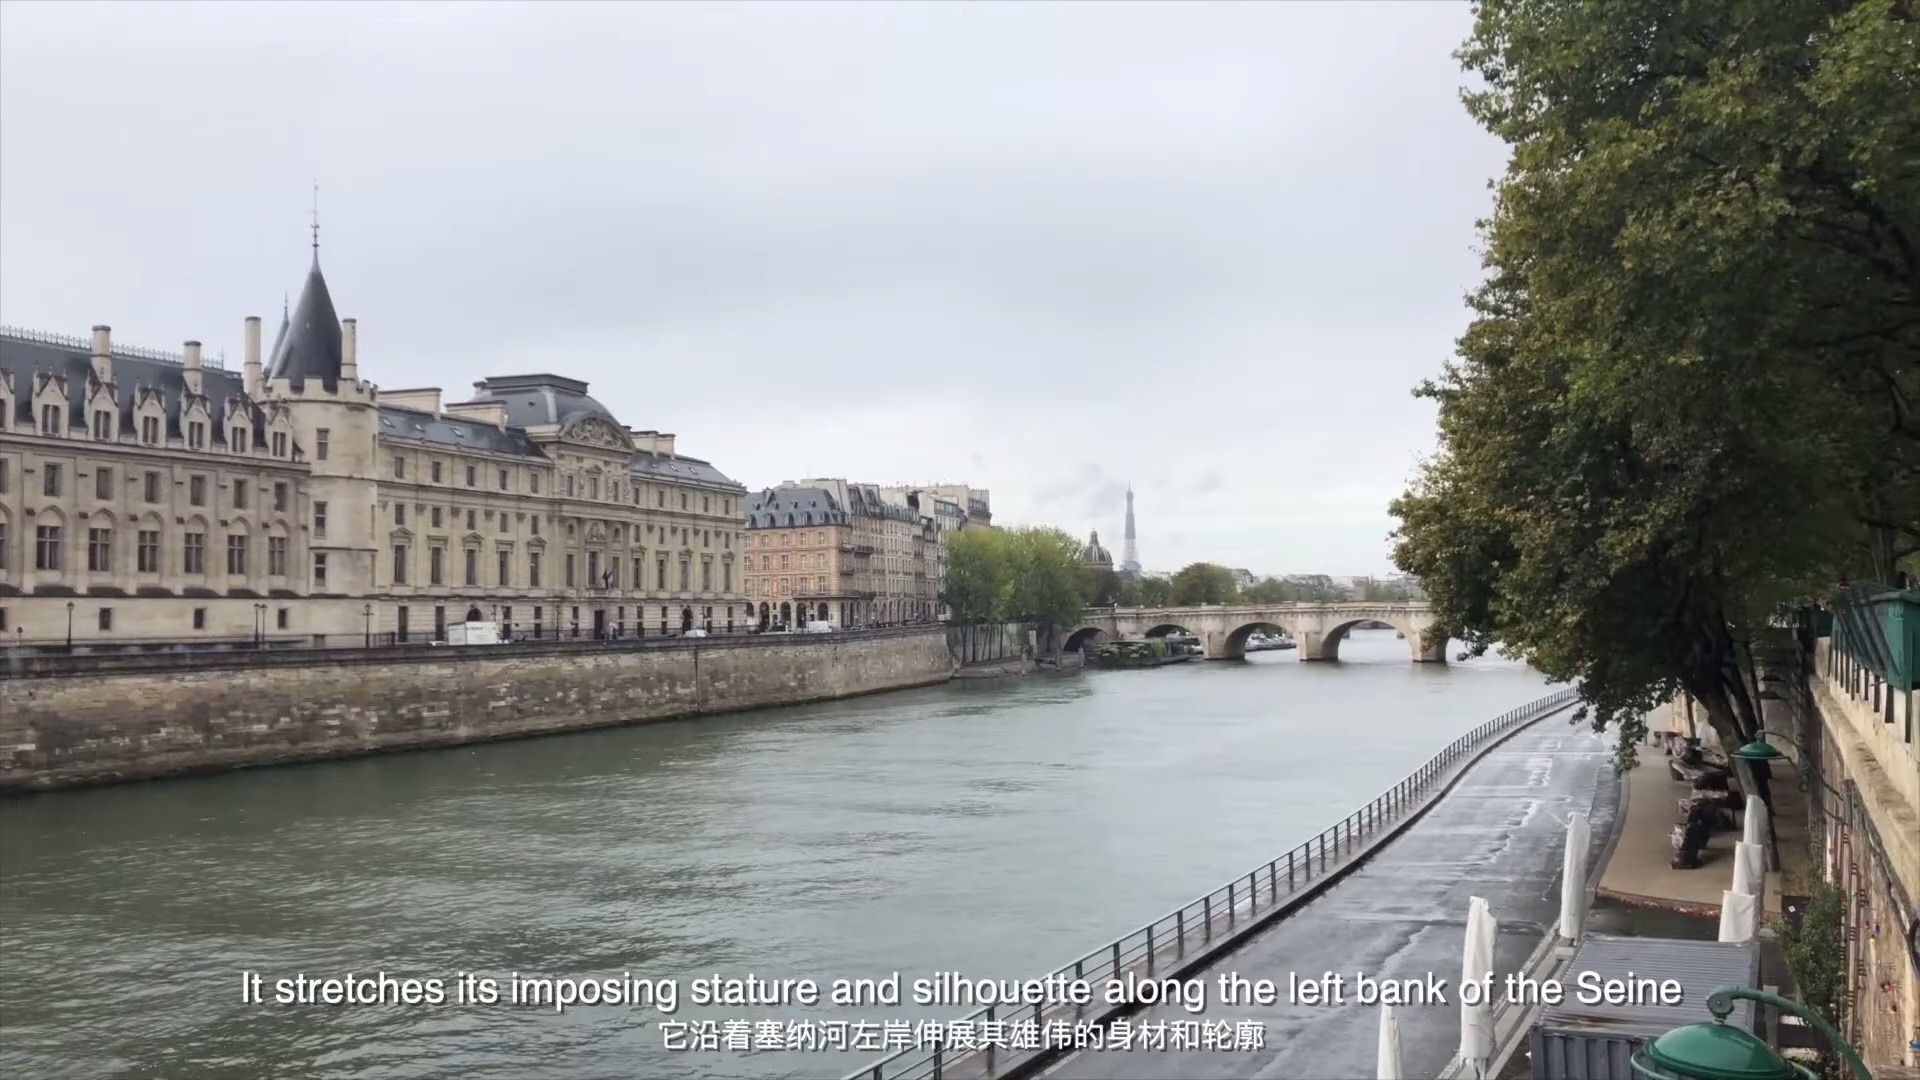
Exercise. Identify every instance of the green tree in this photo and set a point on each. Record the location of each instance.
(1147, 592)
(1044, 565)
(1816, 953)
(1099, 586)
(979, 575)
(1686, 399)
(1271, 591)
(1204, 583)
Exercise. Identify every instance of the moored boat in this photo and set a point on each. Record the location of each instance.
(1152, 652)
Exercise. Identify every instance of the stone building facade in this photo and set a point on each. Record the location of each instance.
(975, 503)
(842, 553)
(152, 500)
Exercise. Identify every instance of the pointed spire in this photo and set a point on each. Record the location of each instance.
(309, 345)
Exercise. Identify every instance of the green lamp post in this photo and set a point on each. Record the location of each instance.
(1717, 1051)
(1761, 752)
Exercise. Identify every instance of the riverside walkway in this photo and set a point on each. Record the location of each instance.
(1383, 892)
(1499, 834)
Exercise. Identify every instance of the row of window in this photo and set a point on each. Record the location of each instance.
(49, 556)
(53, 485)
(786, 539)
(807, 561)
(784, 586)
(503, 481)
(49, 551)
(103, 618)
(596, 576)
(437, 520)
(53, 421)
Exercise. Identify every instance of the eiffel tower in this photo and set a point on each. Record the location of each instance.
(1129, 548)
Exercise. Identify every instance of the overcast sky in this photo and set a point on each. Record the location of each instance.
(1042, 249)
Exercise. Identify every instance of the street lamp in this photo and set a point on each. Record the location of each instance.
(1717, 1051)
(367, 613)
(69, 626)
(1762, 754)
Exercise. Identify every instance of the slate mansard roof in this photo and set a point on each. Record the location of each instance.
(24, 355)
(781, 507)
(647, 466)
(456, 432)
(794, 506)
(542, 399)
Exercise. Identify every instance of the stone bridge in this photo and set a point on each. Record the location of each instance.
(1318, 628)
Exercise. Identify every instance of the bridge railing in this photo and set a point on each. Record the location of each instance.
(992, 1043)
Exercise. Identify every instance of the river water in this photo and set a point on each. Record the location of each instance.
(997, 828)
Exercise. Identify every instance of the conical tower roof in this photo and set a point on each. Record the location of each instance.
(309, 344)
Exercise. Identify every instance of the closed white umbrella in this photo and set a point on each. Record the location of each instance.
(1753, 828)
(1750, 871)
(1389, 1065)
(1573, 876)
(1476, 1020)
(1738, 913)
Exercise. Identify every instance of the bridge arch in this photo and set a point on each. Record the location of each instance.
(1326, 645)
(1084, 639)
(1164, 629)
(1236, 640)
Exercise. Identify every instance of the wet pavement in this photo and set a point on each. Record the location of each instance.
(1499, 835)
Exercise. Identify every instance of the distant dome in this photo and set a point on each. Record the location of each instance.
(1095, 555)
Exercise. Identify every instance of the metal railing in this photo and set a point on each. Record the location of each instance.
(1877, 627)
(217, 362)
(1155, 949)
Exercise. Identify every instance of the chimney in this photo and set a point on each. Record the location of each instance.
(103, 353)
(193, 367)
(349, 350)
(252, 376)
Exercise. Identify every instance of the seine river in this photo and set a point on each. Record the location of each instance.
(996, 828)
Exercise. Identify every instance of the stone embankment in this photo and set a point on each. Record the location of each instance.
(69, 721)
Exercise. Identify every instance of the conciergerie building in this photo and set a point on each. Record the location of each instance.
(150, 499)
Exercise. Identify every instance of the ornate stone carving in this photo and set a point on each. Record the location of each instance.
(598, 433)
(596, 533)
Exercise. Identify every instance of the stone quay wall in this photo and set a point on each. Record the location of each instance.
(68, 721)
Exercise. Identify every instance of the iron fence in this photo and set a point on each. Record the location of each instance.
(1877, 628)
(1164, 944)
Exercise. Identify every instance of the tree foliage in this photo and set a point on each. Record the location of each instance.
(1816, 953)
(1099, 586)
(978, 575)
(1686, 401)
(1013, 575)
(1046, 577)
(1204, 583)
(1147, 592)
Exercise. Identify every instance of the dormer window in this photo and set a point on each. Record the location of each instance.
(102, 424)
(50, 420)
(237, 442)
(150, 430)
(279, 444)
(6, 410)
(196, 435)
